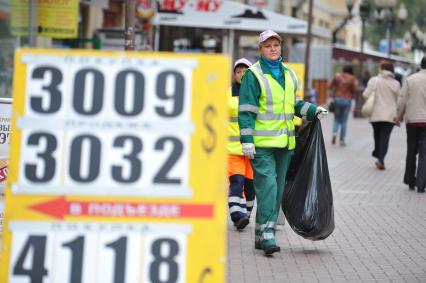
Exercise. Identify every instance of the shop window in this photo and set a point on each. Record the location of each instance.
(113, 16)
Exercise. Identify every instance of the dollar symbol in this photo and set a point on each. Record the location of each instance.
(210, 142)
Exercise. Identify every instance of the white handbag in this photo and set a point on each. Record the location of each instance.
(367, 108)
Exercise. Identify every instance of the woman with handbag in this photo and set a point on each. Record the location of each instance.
(384, 89)
(344, 85)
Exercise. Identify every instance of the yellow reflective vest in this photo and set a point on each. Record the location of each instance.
(274, 126)
(234, 144)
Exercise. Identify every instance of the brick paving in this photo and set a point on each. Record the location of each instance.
(380, 233)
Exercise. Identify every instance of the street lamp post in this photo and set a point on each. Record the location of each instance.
(364, 13)
(129, 29)
(417, 38)
(349, 5)
(385, 12)
(307, 91)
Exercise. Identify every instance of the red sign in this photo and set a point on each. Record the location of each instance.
(3, 174)
(176, 6)
(61, 207)
(208, 5)
(171, 5)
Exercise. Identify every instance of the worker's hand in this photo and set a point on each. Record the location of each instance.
(321, 112)
(248, 150)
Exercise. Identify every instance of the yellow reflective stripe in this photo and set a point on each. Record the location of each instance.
(247, 131)
(233, 119)
(249, 108)
(269, 100)
(233, 138)
(265, 236)
(295, 82)
(237, 200)
(269, 224)
(237, 208)
(271, 116)
(267, 133)
(305, 107)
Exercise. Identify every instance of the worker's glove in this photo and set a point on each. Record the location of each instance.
(248, 150)
(321, 112)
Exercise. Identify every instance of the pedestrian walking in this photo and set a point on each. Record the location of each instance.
(412, 107)
(267, 108)
(385, 89)
(241, 191)
(344, 85)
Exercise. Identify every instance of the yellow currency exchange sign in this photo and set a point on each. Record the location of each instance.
(299, 70)
(118, 168)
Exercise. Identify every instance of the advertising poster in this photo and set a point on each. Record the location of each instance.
(58, 19)
(5, 117)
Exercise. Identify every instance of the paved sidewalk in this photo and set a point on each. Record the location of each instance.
(380, 233)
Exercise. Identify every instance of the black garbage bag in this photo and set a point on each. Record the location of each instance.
(308, 200)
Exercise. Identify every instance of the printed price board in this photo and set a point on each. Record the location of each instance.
(119, 166)
(124, 252)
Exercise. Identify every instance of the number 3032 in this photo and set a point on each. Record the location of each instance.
(84, 160)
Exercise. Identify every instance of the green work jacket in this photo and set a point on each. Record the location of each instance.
(267, 106)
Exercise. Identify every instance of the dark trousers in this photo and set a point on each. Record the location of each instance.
(416, 143)
(382, 132)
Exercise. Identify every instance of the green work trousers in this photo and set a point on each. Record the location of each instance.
(270, 167)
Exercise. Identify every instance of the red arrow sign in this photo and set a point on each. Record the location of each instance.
(60, 207)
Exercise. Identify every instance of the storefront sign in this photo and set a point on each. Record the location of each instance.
(4, 9)
(58, 19)
(264, 4)
(5, 117)
(118, 157)
(225, 15)
(98, 3)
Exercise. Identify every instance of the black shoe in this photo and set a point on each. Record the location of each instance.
(258, 246)
(241, 223)
(380, 165)
(411, 188)
(333, 140)
(271, 249)
(420, 190)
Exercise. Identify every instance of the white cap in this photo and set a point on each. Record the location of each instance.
(268, 34)
(242, 61)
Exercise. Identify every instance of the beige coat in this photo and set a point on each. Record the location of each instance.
(386, 96)
(412, 99)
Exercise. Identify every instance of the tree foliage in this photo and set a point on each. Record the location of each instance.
(376, 30)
